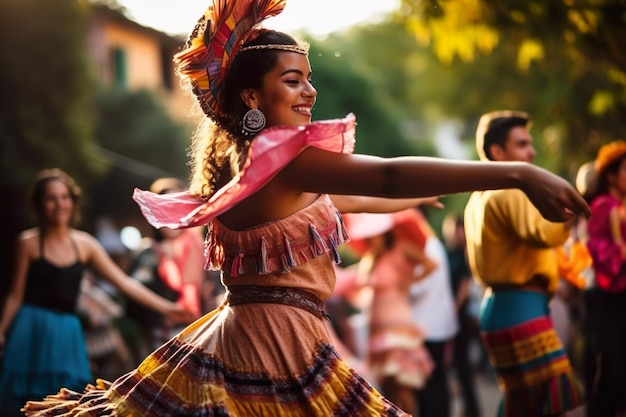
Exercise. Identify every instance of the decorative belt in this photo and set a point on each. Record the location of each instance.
(294, 297)
(537, 283)
(520, 287)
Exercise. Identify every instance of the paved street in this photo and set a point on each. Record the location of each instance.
(489, 397)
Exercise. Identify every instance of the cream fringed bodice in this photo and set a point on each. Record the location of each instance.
(304, 243)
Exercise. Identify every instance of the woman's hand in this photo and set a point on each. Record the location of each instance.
(433, 202)
(554, 197)
(178, 314)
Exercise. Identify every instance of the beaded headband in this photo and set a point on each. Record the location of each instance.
(214, 42)
(290, 48)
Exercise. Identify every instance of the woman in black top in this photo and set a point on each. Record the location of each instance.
(41, 340)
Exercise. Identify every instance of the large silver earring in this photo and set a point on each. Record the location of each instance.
(253, 122)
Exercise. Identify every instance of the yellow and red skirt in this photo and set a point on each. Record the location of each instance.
(533, 370)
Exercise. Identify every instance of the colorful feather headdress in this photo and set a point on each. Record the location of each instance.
(212, 45)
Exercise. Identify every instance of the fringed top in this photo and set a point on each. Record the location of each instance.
(279, 245)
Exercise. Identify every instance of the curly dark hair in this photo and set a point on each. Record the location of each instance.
(219, 147)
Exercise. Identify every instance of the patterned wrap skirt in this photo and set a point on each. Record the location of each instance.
(533, 370)
(266, 351)
(194, 374)
(44, 350)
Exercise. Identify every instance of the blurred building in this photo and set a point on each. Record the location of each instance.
(128, 55)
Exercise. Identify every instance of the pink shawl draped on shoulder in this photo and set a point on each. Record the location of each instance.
(269, 152)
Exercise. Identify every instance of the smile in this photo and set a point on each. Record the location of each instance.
(303, 109)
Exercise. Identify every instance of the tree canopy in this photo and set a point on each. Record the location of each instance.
(435, 60)
(46, 89)
(569, 67)
(139, 142)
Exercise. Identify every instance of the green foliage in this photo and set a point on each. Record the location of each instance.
(136, 125)
(346, 85)
(52, 117)
(559, 60)
(45, 83)
(139, 142)
(45, 113)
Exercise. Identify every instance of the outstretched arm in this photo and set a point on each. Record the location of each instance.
(319, 171)
(366, 204)
(104, 266)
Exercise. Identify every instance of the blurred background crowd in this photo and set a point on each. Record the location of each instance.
(86, 88)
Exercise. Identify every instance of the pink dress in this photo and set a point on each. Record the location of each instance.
(396, 346)
(608, 264)
(266, 351)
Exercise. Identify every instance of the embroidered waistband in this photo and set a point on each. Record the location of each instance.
(537, 283)
(294, 297)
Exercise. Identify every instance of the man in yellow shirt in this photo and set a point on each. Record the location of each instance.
(511, 252)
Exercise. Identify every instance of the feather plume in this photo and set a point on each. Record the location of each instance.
(215, 40)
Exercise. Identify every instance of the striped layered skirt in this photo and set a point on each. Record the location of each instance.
(533, 370)
(236, 361)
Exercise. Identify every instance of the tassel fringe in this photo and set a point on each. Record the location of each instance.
(263, 255)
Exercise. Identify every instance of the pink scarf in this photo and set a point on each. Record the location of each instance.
(269, 152)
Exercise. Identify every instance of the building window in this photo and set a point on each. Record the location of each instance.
(166, 68)
(118, 60)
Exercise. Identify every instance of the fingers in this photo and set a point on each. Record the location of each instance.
(572, 221)
(432, 202)
(557, 211)
(555, 198)
(575, 205)
(583, 207)
(571, 205)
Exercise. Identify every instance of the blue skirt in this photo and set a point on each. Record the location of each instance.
(509, 308)
(44, 351)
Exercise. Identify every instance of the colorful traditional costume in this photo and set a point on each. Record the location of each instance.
(511, 251)
(396, 343)
(608, 263)
(605, 302)
(267, 350)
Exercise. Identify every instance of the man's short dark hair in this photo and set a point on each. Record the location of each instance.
(493, 129)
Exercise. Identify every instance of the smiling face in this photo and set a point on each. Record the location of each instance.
(286, 95)
(57, 204)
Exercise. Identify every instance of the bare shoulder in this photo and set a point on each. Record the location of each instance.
(85, 241)
(28, 242)
(28, 235)
(83, 237)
